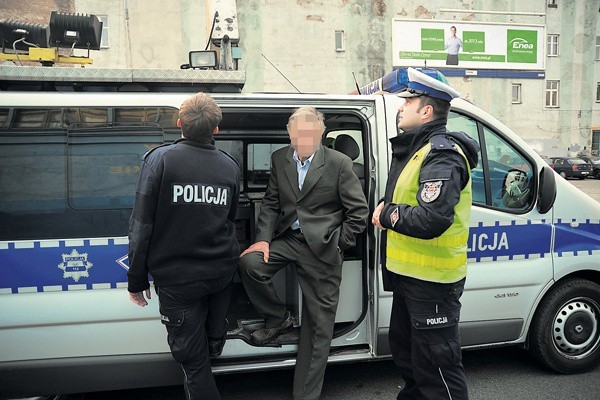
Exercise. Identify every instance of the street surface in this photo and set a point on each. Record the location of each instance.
(590, 187)
(493, 374)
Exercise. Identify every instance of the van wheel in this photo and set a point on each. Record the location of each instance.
(565, 332)
(563, 174)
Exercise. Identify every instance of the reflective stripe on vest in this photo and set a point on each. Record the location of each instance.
(442, 259)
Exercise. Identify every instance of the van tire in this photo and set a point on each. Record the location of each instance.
(563, 174)
(572, 306)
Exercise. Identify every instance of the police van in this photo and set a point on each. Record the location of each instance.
(70, 151)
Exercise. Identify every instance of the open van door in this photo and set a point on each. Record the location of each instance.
(250, 131)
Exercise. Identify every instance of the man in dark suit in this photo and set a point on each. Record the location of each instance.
(312, 211)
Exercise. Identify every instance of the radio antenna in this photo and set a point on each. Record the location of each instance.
(356, 83)
(277, 69)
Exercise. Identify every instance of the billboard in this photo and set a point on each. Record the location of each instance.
(467, 45)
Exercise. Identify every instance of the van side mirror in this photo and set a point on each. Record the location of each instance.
(547, 191)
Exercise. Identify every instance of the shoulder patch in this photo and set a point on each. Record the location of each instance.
(442, 142)
(431, 191)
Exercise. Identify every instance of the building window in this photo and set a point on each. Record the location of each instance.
(552, 48)
(598, 92)
(339, 41)
(516, 93)
(104, 40)
(552, 93)
(597, 47)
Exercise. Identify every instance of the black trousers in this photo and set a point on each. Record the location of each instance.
(191, 312)
(320, 284)
(424, 339)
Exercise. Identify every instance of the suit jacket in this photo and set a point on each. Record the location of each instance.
(331, 206)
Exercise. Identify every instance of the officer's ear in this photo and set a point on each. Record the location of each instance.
(427, 111)
(216, 131)
(178, 123)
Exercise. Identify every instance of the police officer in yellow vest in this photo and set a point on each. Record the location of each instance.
(425, 221)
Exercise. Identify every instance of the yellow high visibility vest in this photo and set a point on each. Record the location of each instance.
(442, 259)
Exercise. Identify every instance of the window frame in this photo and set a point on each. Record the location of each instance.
(484, 161)
(552, 45)
(339, 37)
(105, 29)
(518, 99)
(597, 48)
(597, 92)
(549, 92)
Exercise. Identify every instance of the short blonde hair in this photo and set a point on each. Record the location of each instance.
(199, 116)
(308, 110)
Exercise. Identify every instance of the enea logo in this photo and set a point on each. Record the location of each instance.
(521, 46)
(520, 43)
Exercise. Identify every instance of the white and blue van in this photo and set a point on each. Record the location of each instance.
(69, 163)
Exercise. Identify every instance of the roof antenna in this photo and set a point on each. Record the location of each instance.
(298, 90)
(355, 81)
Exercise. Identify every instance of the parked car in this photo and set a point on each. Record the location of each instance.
(571, 167)
(595, 162)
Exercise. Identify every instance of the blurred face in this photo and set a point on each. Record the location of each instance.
(305, 134)
(453, 31)
(411, 114)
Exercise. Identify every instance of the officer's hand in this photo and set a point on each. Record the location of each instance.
(376, 214)
(138, 298)
(261, 247)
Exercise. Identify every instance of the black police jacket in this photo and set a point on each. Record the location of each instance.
(182, 228)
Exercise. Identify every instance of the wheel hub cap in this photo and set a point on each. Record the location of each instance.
(575, 328)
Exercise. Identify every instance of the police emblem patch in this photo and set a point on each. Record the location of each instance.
(431, 191)
(75, 265)
(394, 217)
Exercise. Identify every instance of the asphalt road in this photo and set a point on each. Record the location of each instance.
(493, 374)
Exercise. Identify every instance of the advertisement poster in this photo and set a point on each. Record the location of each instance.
(467, 45)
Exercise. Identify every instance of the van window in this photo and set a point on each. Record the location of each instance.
(461, 123)
(3, 117)
(104, 166)
(72, 172)
(259, 164)
(89, 117)
(510, 174)
(356, 135)
(502, 177)
(135, 116)
(37, 118)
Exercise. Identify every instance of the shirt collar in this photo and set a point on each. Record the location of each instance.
(297, 159)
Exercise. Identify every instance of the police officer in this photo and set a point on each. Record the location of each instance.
(425, 218)
(182, 231)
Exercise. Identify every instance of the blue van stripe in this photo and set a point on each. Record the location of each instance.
(83, 264)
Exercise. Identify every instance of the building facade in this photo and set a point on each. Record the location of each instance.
(322, 45)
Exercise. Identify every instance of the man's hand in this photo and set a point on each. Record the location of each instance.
(261, 247)
(376, 214)
(138, 298)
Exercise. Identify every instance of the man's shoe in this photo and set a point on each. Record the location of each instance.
(265, 335)
(215, 347)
